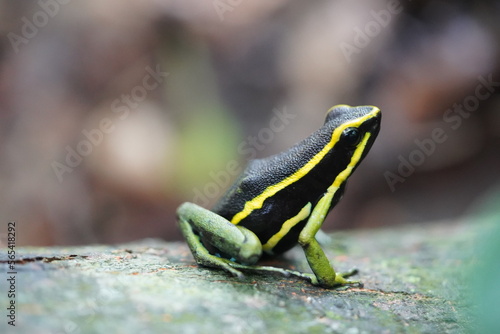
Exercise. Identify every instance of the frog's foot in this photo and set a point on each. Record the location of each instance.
(341, 278)
(275, 270)
(263, 269)
(204, 258)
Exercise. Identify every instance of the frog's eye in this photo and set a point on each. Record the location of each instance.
(351, 136)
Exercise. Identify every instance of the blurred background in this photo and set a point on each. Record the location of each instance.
(115, 112)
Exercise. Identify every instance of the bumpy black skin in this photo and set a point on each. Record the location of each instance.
(262, 173)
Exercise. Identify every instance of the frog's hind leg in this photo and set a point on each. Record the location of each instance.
(236, 242)
(201, 254)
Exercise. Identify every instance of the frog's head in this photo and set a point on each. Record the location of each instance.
(353, 131)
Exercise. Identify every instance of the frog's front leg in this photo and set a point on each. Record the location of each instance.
(324, 274)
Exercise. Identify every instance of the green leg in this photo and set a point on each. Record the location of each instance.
(201, 254)
(324, 273)
(239, 243)
(235, 241)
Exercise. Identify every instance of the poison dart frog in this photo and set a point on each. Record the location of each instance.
(280, 201)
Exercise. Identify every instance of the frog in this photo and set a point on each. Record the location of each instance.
(282, 200)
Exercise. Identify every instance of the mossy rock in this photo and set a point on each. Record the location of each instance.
(414, 282)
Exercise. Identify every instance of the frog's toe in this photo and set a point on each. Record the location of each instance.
(350, 273)
(237, 273)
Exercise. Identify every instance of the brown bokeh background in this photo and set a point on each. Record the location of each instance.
(225, 70)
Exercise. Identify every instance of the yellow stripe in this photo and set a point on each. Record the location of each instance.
(258, 201)
(340, 179)
(287, 226)
(306, 210)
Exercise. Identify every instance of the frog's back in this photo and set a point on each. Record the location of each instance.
(272, 190)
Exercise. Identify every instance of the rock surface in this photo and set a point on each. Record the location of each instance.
(413, 282)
